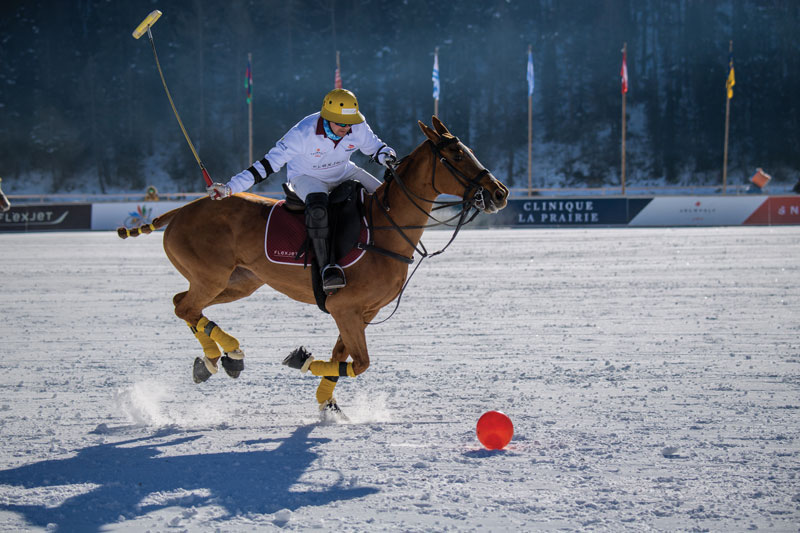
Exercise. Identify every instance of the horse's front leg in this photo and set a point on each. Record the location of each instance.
(328, 383)
(351, 343)
(351, 326)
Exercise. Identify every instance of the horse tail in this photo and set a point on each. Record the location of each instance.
(158, 223)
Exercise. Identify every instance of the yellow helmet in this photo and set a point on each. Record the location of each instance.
(340, 105)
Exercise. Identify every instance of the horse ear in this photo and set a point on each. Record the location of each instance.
(429, 133)
(441, 128)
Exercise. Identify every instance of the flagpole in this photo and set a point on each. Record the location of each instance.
(727, 123)
(436, 100)
(530, 134)
(250, 113)
(624, 94)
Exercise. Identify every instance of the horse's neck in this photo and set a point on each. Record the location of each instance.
(416, 176)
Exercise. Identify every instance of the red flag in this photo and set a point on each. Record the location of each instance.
(337, 80)
(248, 82)
(624, 71)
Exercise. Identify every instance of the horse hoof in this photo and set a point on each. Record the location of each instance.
(232, 364)
(299, 359)
(329, 412)
(200, 371)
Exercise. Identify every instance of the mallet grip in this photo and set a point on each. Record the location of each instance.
(206, 177)
(142, 28)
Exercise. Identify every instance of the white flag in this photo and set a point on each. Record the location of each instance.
(530, 73)
(435, 76)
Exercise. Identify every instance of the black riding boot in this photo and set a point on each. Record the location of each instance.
(317, 227)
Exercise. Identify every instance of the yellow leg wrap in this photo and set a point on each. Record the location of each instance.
(210, 348)
(331, 368)
(228, 343)
(325, 390)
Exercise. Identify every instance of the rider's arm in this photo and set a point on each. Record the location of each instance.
(370, 144)
(256, 173)
(287, 148)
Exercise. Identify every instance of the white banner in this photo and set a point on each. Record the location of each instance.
(697, 211)
(110, 216)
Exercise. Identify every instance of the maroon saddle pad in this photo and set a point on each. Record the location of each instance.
(286, 233)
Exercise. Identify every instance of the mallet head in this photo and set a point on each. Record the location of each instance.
(142, 28)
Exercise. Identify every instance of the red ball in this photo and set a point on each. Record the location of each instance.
(494, 430)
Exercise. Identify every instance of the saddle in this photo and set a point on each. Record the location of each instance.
(286, 241)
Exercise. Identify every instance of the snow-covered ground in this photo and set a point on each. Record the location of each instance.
(652, 376)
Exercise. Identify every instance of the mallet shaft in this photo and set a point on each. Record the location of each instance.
(140, 30)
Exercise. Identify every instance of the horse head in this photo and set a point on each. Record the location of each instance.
(458, 172)
(5, 205)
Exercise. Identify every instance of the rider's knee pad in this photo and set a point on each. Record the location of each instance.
(317, 211)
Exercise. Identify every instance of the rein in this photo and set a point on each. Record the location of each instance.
(468, 203)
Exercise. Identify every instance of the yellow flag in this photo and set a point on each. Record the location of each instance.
(731, 81)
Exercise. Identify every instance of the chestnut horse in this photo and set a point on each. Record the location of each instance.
(218, 246)
(5, 205)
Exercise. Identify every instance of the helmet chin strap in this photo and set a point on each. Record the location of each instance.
(329, 132)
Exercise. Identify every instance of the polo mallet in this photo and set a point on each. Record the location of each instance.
(140, 30)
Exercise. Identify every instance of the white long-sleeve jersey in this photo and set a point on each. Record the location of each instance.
(306, 150)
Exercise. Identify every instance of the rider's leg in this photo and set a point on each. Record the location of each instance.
(370, 182)
(318, 231)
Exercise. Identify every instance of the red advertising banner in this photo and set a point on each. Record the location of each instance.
(776, 211)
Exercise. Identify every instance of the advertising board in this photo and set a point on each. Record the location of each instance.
(776, 211)
(129, 214)
(46, 217)
(563, 212)
(697, 211)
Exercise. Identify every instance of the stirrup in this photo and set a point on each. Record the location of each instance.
(333, 279)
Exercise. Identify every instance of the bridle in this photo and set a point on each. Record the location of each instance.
(473, 199)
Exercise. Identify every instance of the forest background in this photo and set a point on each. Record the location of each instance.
(82, 107)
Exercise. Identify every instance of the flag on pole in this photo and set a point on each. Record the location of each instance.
(530, 72)
(624, 71)
(435, 77)
(248, 82)
(337, 80)
(731, 78)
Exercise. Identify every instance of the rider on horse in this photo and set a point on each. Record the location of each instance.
(317, 153)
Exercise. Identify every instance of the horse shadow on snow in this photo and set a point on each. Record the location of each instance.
(240, 482)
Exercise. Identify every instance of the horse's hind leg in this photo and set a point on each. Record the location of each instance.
(241, 283)
(210, 348)
(189, 306)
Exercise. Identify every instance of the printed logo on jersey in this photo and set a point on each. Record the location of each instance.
(350, 147)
